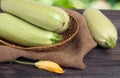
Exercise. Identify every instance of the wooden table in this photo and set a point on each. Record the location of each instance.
(101, 63)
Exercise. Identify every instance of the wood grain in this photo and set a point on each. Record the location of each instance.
(102, 63)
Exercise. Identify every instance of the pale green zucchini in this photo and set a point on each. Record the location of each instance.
(20, 32)
(101, 28)
(44, 16)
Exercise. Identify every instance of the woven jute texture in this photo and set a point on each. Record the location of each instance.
(71, 55)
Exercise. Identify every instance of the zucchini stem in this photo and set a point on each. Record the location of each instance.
(111, 43)
(21, 62)
(56, 38)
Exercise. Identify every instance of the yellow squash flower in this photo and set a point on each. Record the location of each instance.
(49, 66)
(46, 65)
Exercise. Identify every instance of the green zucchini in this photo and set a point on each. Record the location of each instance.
(23, 33)
(101, 27)
(44, 16)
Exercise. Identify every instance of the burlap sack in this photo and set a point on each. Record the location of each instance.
(70, 56)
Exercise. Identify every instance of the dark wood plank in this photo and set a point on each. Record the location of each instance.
(102, 63)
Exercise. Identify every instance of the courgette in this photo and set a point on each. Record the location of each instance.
(44, 16)
(101, 27)
(23, 33)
